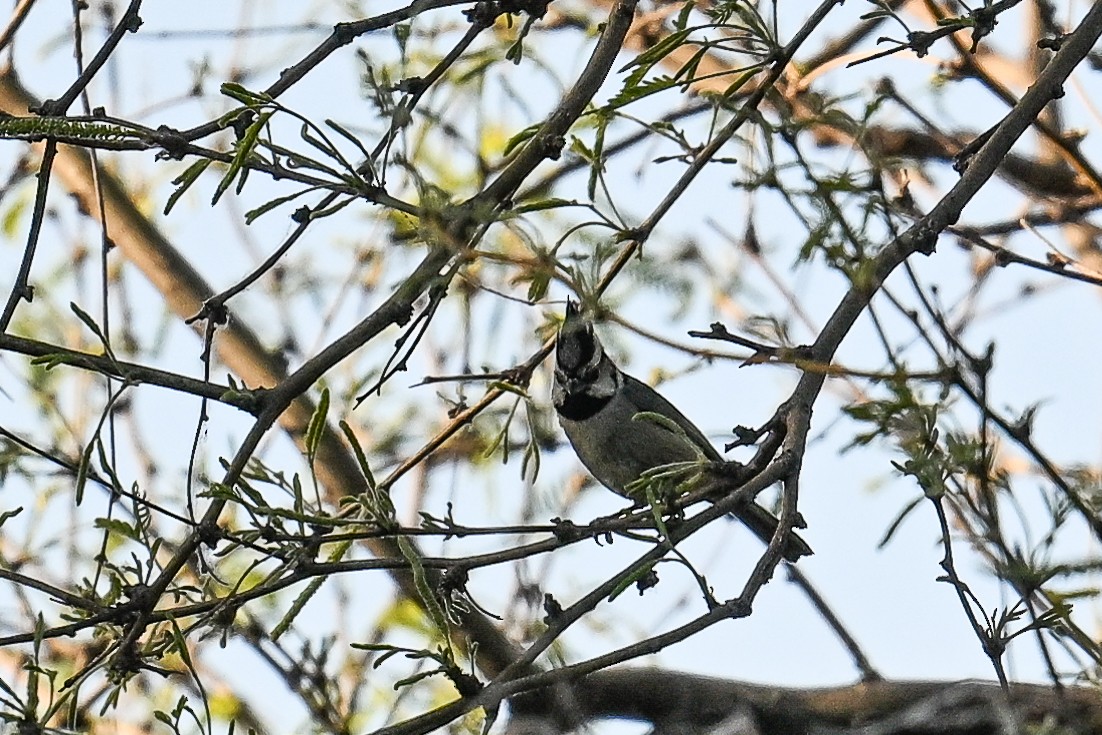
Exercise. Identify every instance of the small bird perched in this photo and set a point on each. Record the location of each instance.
(599, 407)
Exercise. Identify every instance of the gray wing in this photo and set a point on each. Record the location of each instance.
(757, 519)
(648, 399)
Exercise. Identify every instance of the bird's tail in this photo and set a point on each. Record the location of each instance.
(764, 525)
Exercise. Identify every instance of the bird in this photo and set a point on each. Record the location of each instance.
(620, 427)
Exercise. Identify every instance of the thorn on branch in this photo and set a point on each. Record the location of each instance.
(241, 124)
(565, 530)
(209, 534)
(48, 108)
(744, 437)
(552, 146)
(551, 608)
(984, 20)
(1053, 44)
(213, 311)
(964, 156)
(535, 9)
(921, 41)
(633, 234)
(172, 142)
(925, 241)
(411, 85)
(344, 33)
(648, 581)
(738, 607)
(483, 13)
(125, 663)
(466, 684)
(486, 12)
(454, 580)
(133, 22)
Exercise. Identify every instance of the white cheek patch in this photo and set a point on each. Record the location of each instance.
(597, 358)
(606, 383)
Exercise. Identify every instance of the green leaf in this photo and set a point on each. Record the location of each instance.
(184, 181)
(253, 214)
(501, 438)
(63, 128)
(524, 135)
(638, 91)
(420, 676)
(361, 458)
(682, 21)
(245, 148)
(311, 589)
(597, 166)
(316, 138)
(540, 283)
(120, 528)
(669, 425)
(543, 204)
(424, 589)
(577, 145)
(332, 209)
(88, 320)
(660, 50)
(50, 361)
(180, 646)
(356, 142)
(316, 428)
(244, 96)
(81, 480)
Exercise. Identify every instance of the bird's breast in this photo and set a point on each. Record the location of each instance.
(617, 449)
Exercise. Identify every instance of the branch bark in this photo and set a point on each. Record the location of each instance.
(695, 704)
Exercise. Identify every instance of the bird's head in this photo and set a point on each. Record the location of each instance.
(582, 369)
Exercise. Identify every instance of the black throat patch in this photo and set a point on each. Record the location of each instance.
(580, 406)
